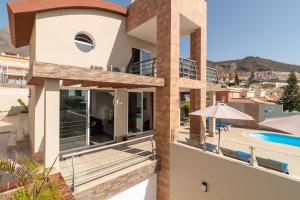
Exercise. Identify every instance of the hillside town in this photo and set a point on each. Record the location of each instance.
(119, 100)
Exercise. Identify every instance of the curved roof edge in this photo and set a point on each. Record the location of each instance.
(22, 14)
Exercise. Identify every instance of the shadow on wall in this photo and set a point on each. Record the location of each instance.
(151, 192)
(14, 134)
(121, 53)
(10, 120)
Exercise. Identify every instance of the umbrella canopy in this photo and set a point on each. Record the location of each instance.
(222, 111)
(288, 124)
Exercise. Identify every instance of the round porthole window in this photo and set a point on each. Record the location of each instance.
(84, 43)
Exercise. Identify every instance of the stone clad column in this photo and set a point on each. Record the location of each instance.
(51, 123)
(167, 97)
(198, 96)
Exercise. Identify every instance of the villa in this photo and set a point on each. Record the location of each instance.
(13, 70)
(104, 101)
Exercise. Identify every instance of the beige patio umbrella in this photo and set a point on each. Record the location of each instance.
(221, 111)
(288, 124)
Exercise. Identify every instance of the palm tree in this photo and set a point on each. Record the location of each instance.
(34, 180)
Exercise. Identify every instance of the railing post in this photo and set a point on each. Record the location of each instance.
(252, 155)
(73, 174)
(153, 62)
(153, 147)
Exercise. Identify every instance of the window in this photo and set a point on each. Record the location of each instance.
(84, 43)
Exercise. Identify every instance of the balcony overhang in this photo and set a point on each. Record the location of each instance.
(147, 31)
(86, 77)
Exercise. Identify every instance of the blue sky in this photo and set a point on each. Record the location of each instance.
(240, 28)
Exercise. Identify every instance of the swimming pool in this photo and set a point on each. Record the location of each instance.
(277, 138)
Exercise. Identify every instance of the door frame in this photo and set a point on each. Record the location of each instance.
(89, 89)
(115, 111)
(141, 90)
(88, 116)
(141, 55)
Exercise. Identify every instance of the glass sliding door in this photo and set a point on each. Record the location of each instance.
(102, 116)
(140, 112)
(145, 63)
(135, 121)
(148, 110)
(73, 119)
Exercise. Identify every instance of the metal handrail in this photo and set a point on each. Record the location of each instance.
(188, 68)
(188, 59)
(64, 156)
(110, 164)
(144, 61)
(148, 66)
(97, 166)
(107, 155)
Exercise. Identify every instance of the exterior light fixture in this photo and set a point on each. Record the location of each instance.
(29, 93)
(204, 186)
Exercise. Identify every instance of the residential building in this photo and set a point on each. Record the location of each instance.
(104, 106)
(247, 93)
(211, 75)
(13, 69)
(273, 76)
(102, 74)
(259, 108)
(224, 94)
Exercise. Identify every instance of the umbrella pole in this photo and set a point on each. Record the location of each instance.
(219, 139)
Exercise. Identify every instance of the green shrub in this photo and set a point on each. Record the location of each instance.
(23, 105)
(185, 108)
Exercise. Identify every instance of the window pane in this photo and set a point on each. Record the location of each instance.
(146, 67)
(135, 121)
(73, 119)
(84, 43)
(148, 111)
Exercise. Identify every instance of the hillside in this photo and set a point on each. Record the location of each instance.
(252, 64)
(248, 64)
(6, 46)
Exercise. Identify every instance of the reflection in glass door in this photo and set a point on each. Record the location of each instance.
(135, 121)
(73, 119)
(148, 110)
(145, 63)
(140, 112)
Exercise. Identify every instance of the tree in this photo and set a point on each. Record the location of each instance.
(35, 183)
(236, 80)
(290, 98)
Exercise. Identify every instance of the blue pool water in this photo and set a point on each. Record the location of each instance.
(277, 138)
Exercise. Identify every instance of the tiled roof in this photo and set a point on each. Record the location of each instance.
(261, 100)
(22, 14)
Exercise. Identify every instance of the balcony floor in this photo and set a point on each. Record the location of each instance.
(93, 168)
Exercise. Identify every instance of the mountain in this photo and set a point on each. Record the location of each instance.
(252, 64)
(248, 64)
(6, 45)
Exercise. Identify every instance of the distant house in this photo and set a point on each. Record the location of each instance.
(273, 76)
(259, 108)
(13, 69)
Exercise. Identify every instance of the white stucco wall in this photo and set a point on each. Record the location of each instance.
(145, 190)
(227, 179)
(9, 98)
(121, 113)
(55, 32)
(274, 111)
